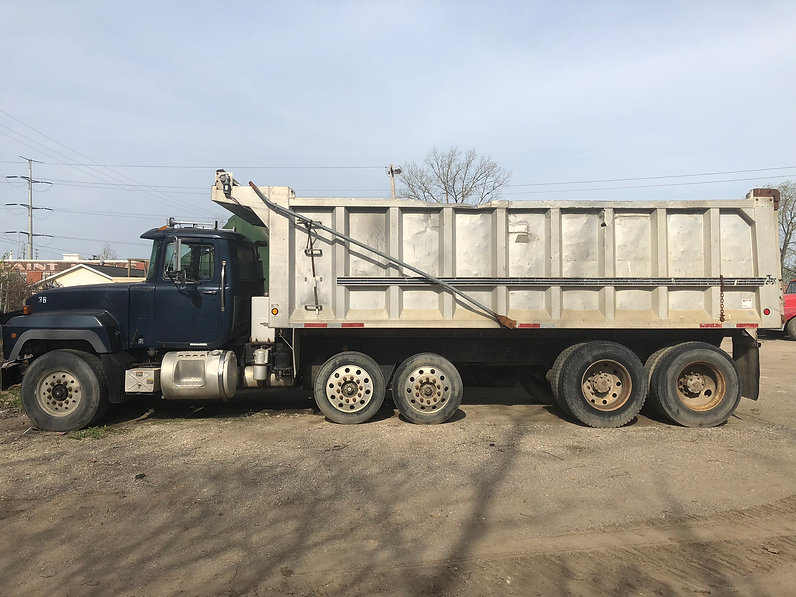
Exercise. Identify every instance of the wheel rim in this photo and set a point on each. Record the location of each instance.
(700, 386)
(349, 388)
(607, 385)
(58, 393)
(427, 389)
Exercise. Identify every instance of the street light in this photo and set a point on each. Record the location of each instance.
(392, 171)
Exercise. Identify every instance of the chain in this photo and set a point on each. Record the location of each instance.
(721, 298)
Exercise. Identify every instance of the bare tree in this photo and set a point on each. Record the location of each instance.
(453, 176)
(787, 229)
(107, 253)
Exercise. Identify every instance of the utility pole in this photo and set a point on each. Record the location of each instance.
(31, 182)
(392, 171)
(30, 208)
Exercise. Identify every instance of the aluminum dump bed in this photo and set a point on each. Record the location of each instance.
(545, 264)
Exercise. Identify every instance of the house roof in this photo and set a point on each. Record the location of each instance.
(117, 272)
(106, 271)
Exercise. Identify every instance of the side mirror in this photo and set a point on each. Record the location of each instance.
(175, 265)
(172, 265)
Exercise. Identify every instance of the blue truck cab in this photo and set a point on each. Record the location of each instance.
(76, 344)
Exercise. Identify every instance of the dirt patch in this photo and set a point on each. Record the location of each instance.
(263, 497)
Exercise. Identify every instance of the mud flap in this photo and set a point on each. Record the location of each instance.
(10, 374)
(746, 354)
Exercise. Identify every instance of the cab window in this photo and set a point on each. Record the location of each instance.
(197, 260)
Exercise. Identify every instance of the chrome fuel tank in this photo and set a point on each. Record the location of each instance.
(199, 374)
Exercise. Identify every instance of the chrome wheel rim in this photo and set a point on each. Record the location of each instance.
(59, 393)
(349, 388)
(427, 389)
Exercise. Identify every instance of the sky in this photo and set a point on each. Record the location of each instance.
(131, 106)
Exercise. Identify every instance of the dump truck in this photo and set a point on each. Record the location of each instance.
(609, 304)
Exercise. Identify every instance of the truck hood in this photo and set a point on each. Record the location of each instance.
(110, 297)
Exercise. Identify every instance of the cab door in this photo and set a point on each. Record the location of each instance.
(187, 300)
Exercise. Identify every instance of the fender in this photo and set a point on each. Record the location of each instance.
(98, 328)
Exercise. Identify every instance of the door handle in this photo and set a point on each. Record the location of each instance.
(223, 284)
(209, 291)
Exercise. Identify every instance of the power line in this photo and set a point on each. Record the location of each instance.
(186, 167)
(102, 240)
(135, 187)
(596, 181)
(539, 184)
(646, 186)
(89, 184)
(127, 185)
(112, 214)
(91, 166)
(137, 190)
(82, 168)
(173, 188)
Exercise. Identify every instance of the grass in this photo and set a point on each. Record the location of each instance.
(11, 399)
(92, 432)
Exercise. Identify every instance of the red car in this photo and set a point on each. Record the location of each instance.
(790, 310)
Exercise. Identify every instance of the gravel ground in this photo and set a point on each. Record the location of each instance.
(265, 497)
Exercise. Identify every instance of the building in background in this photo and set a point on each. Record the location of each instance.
(73, 270)
(83, 273)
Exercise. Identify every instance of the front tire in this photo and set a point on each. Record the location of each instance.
(349, 388)
(696, 384)
(65, 390)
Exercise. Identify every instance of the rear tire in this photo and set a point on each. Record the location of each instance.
(696, 384)
(651, 406)
(427, 389)
(554, 375)
(349, 388)
(603, 384)
(65, 390)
